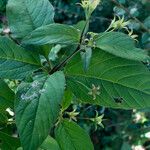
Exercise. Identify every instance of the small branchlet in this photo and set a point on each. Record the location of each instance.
(60, 118)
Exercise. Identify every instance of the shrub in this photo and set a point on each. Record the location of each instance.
(46, 65)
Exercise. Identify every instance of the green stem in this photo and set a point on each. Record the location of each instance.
(63, 63)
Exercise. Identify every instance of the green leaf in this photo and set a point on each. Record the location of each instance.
(16, 62)
(80, 25)
(121, 45)
(147, 22)
(7, 142)
(45, 49)
(48, 144)
(37, 108)
(20, 148)
(110, 81)
(71, 137)
(6, 96)
(24, 16)
(53, 34)
(3, 118)
(68, 96)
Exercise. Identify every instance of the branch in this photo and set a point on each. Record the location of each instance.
(63, 63)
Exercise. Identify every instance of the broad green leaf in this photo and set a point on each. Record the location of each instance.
(80, 25)
(8, 142)
(16, 62)
(72, 137)
(48, 144)
(121, 45)
(24, 16)
(110, 81)
(37, 108)
(68, 96)
(6, 96)
(53, 34)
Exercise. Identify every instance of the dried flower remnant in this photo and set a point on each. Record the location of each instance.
(133, 36)
(118, 24)
(98, 120)
(94, 4)
(72, 115)
(91, 42)
(139, 117)
(89, 6)
(10, 111)
(94, 91)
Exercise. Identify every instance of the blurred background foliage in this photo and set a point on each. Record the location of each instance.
(123, 129)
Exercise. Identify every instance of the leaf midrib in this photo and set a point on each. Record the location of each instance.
(81, 75)
(30, 16)
(27, 62)
(69, 135)
(37, 109)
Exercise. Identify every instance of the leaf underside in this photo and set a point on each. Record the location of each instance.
(15, 61)
(120, 44)
(24, 16)
(71, 137)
